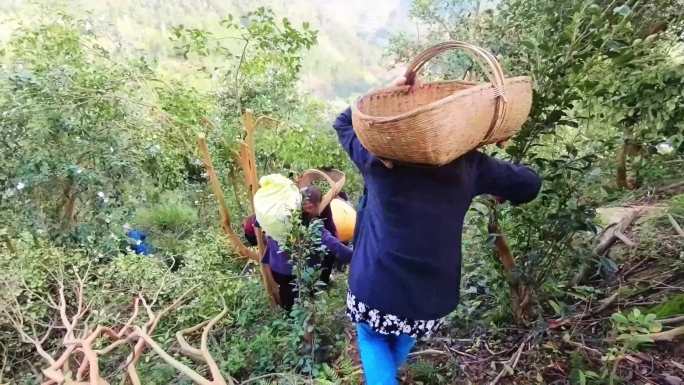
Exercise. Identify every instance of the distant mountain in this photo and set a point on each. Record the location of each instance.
(347, 60)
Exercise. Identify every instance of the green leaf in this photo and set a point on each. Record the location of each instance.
(591, 374)
(582, 378)
(619, 318)
(656, 327)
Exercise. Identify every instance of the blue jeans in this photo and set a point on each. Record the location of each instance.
(382, 355)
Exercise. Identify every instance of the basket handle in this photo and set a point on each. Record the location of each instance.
(335, 186)
(310, 175)
(485, 58)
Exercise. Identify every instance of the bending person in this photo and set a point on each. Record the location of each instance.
(279, 260)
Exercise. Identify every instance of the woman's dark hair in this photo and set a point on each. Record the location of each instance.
(248, 227)
(313, 195)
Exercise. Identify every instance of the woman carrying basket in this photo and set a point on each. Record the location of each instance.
(405, 275)
(279, 260)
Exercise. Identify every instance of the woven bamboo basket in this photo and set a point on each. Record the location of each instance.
(437, 122)
(334, 178)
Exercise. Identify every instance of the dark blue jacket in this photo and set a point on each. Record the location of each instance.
(407, 244)
(279, 260)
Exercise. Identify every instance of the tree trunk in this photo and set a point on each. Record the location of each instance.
(236, 191)
(247, 161)
(224, 213)
(629, 148)
(523, 298)
(69, 213)
(621, 177)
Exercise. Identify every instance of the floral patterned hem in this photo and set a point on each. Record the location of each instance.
(387, 324)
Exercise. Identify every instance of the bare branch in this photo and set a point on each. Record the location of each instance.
(201, 354)
(513, 361)
(186, 349)
(88, 372)
(149, 327)
(669, 335)
(224, 213)
(148, 308)
(672, 321)
(47, 334)
(136, 308)
(170, 360)
(17, 322)
(204, 347)
(676, 225)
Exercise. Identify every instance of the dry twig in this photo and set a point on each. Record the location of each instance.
(513, 361)
(676, 226)
(669, 335)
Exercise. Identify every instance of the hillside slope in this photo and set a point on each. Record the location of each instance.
(348, 58)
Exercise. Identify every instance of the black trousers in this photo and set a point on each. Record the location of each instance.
(286, 289)
(327, 266)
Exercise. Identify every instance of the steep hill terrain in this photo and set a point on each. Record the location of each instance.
(347, 60)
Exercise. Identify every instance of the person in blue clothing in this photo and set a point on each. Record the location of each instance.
(310, 207)
(405, 276)
(279, 260)
(137, 241)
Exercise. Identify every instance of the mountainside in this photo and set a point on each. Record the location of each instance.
(347, 59)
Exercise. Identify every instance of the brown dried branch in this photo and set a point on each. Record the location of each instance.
(203, 352)
(610, 234)
(70, 324)
(82, 370)
(5, 357)
(246, 158)
(676, 225)
(673, 320)
(669, 335)
(186, 349)
(513, 361)
(429, 352)
(204, 348)
(606, 303)
(18, 324)
(673, 188)
(582, 346)
(263, 376)
(136, 309)
(123, 335)
(224, 213)
(187, 371)
(79, 338)
(91, 357)
(55, 373)
(149, 327)
(88, 365)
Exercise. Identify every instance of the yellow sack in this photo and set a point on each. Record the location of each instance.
(274, 203)
(344, 217)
